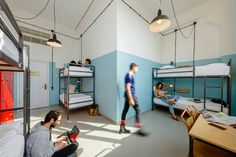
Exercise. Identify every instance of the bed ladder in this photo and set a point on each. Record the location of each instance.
(221, 87)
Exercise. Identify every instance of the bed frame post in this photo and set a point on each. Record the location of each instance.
(152, 88)
(94, 78)
(205, 92)
(194, 51)
(175, 64)
(67, 94)
(229, 94)
(229, 86)
(222, 93)
(26, 100)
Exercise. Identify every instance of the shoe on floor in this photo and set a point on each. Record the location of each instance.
(123, 130)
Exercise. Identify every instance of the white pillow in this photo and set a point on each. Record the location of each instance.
(72, 88)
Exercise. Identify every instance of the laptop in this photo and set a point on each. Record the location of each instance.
(71, 135)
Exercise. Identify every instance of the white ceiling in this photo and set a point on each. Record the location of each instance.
(180, 6)
(69, 12)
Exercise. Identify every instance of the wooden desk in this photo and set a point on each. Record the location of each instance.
(206, 139)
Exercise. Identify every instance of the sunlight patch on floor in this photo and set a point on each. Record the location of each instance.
(98, 148)
(107, 134)
(117, 127)
(92, 123)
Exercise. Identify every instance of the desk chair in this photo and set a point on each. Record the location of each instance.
(187, 121)
(193, 112)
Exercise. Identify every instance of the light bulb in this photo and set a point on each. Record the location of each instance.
(159, 21)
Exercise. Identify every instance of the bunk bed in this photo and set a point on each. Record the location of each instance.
(220, 71)
(13, 57)
(74, 96)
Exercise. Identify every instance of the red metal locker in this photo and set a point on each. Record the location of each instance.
(6, 96)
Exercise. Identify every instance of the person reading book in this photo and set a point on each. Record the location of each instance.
(40, 143)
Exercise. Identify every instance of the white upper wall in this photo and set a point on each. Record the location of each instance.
(215, 33)
(69, 51)
(100, 38)
(133, 35)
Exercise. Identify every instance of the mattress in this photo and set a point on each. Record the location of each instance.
(11, 138)
(77, 71)
(183, 102)
(7, 22)
(77, 98)
(7, 47)
(216, 69)
(15, 143)
(174, 72)
(81, 104)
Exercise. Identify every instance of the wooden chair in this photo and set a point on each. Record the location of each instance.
(193, 111)
(188, 121)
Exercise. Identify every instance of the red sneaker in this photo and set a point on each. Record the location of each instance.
(139, 125)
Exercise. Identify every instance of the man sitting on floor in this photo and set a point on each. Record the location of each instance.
(40, 144)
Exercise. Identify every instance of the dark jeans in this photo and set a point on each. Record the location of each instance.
(126, 109)
(68, 150)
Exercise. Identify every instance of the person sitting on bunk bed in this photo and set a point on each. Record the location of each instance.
(40, 144)
(87, 61)
(161, 94)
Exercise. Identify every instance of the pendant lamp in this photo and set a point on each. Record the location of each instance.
(53, 41)
(160, 23)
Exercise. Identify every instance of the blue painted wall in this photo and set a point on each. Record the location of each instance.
(110, 72)
(143, 81)
(53, 93)
(106, 78)
(112, 67)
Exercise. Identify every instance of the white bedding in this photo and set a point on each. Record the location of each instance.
(77, 98)
(77, 71)
(5, 19)
(183, 102)
(215, 69)
(81, 104)
(7, 47)
(11, 138)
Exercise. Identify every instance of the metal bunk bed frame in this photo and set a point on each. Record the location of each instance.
(8, 64)
(67, 82)
(221, 87)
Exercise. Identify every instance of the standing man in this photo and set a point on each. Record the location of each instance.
(40, 144)
(130, 99)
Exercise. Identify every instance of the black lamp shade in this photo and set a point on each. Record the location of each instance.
(159, 23)
(54, 42)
